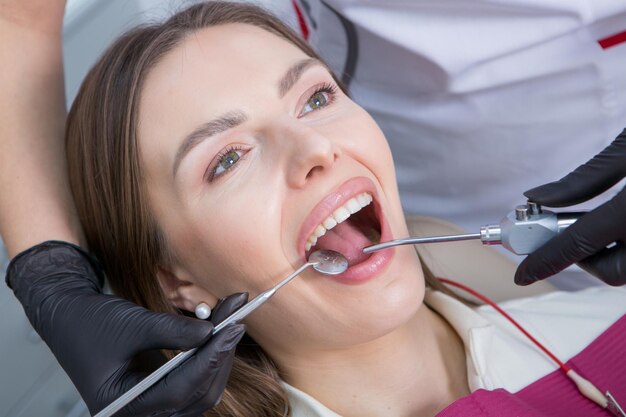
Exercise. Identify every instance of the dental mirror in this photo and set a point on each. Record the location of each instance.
(328, 262)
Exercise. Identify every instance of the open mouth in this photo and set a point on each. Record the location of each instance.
(348, 229)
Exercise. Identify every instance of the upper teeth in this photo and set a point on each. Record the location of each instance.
(338, 216)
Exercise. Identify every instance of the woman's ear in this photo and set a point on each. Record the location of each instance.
(183, 294)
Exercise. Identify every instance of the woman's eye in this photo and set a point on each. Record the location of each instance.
(226, 161)
(319, 99)
(316, 101)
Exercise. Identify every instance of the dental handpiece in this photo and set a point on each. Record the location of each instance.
(325, 261)
(522, 231)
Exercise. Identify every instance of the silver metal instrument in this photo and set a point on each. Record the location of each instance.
(328, 262)
(522, 231)
(324, 261)
(613, 406)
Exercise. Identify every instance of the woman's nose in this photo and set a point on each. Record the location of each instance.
(310, 154)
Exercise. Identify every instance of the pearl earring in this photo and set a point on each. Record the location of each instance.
(203, 311)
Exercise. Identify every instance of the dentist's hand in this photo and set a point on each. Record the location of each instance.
(585, 241)
(95, 337)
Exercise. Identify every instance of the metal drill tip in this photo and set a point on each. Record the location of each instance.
(328, 262)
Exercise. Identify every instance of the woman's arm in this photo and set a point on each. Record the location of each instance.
(36, 203)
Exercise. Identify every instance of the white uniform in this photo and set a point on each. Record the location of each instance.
(480, 100)
(497, 354)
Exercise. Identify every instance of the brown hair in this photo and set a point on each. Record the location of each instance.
(106, 179)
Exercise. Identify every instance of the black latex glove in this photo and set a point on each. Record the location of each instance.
(585, 241)
(95, 337)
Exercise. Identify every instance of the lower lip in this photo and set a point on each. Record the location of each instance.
(368, 270)
(374, 265)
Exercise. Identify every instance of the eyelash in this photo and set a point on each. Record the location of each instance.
(212, 170)
(328, 88)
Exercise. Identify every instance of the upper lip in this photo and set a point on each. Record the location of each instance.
(349, 189)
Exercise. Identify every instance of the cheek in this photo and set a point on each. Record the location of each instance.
(368, 145)
(364, 140)
(227, 243)
(217, 254)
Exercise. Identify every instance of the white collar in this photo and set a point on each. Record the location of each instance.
(475, 331)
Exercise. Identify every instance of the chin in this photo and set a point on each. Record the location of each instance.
(393, 305)
(404, 293)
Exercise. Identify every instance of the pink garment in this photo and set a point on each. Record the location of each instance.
(603, 362)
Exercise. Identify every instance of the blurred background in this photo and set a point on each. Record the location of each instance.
(32, 384)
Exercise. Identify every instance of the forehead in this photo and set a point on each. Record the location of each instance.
(215, 68)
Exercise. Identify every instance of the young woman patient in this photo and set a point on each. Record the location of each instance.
(209, 155)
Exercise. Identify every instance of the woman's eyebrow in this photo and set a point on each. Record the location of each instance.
(294, 73)
(206, 130)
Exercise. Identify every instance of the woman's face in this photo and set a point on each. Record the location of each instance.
(247, 146)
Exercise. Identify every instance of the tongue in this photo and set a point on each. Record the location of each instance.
(346, 239)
